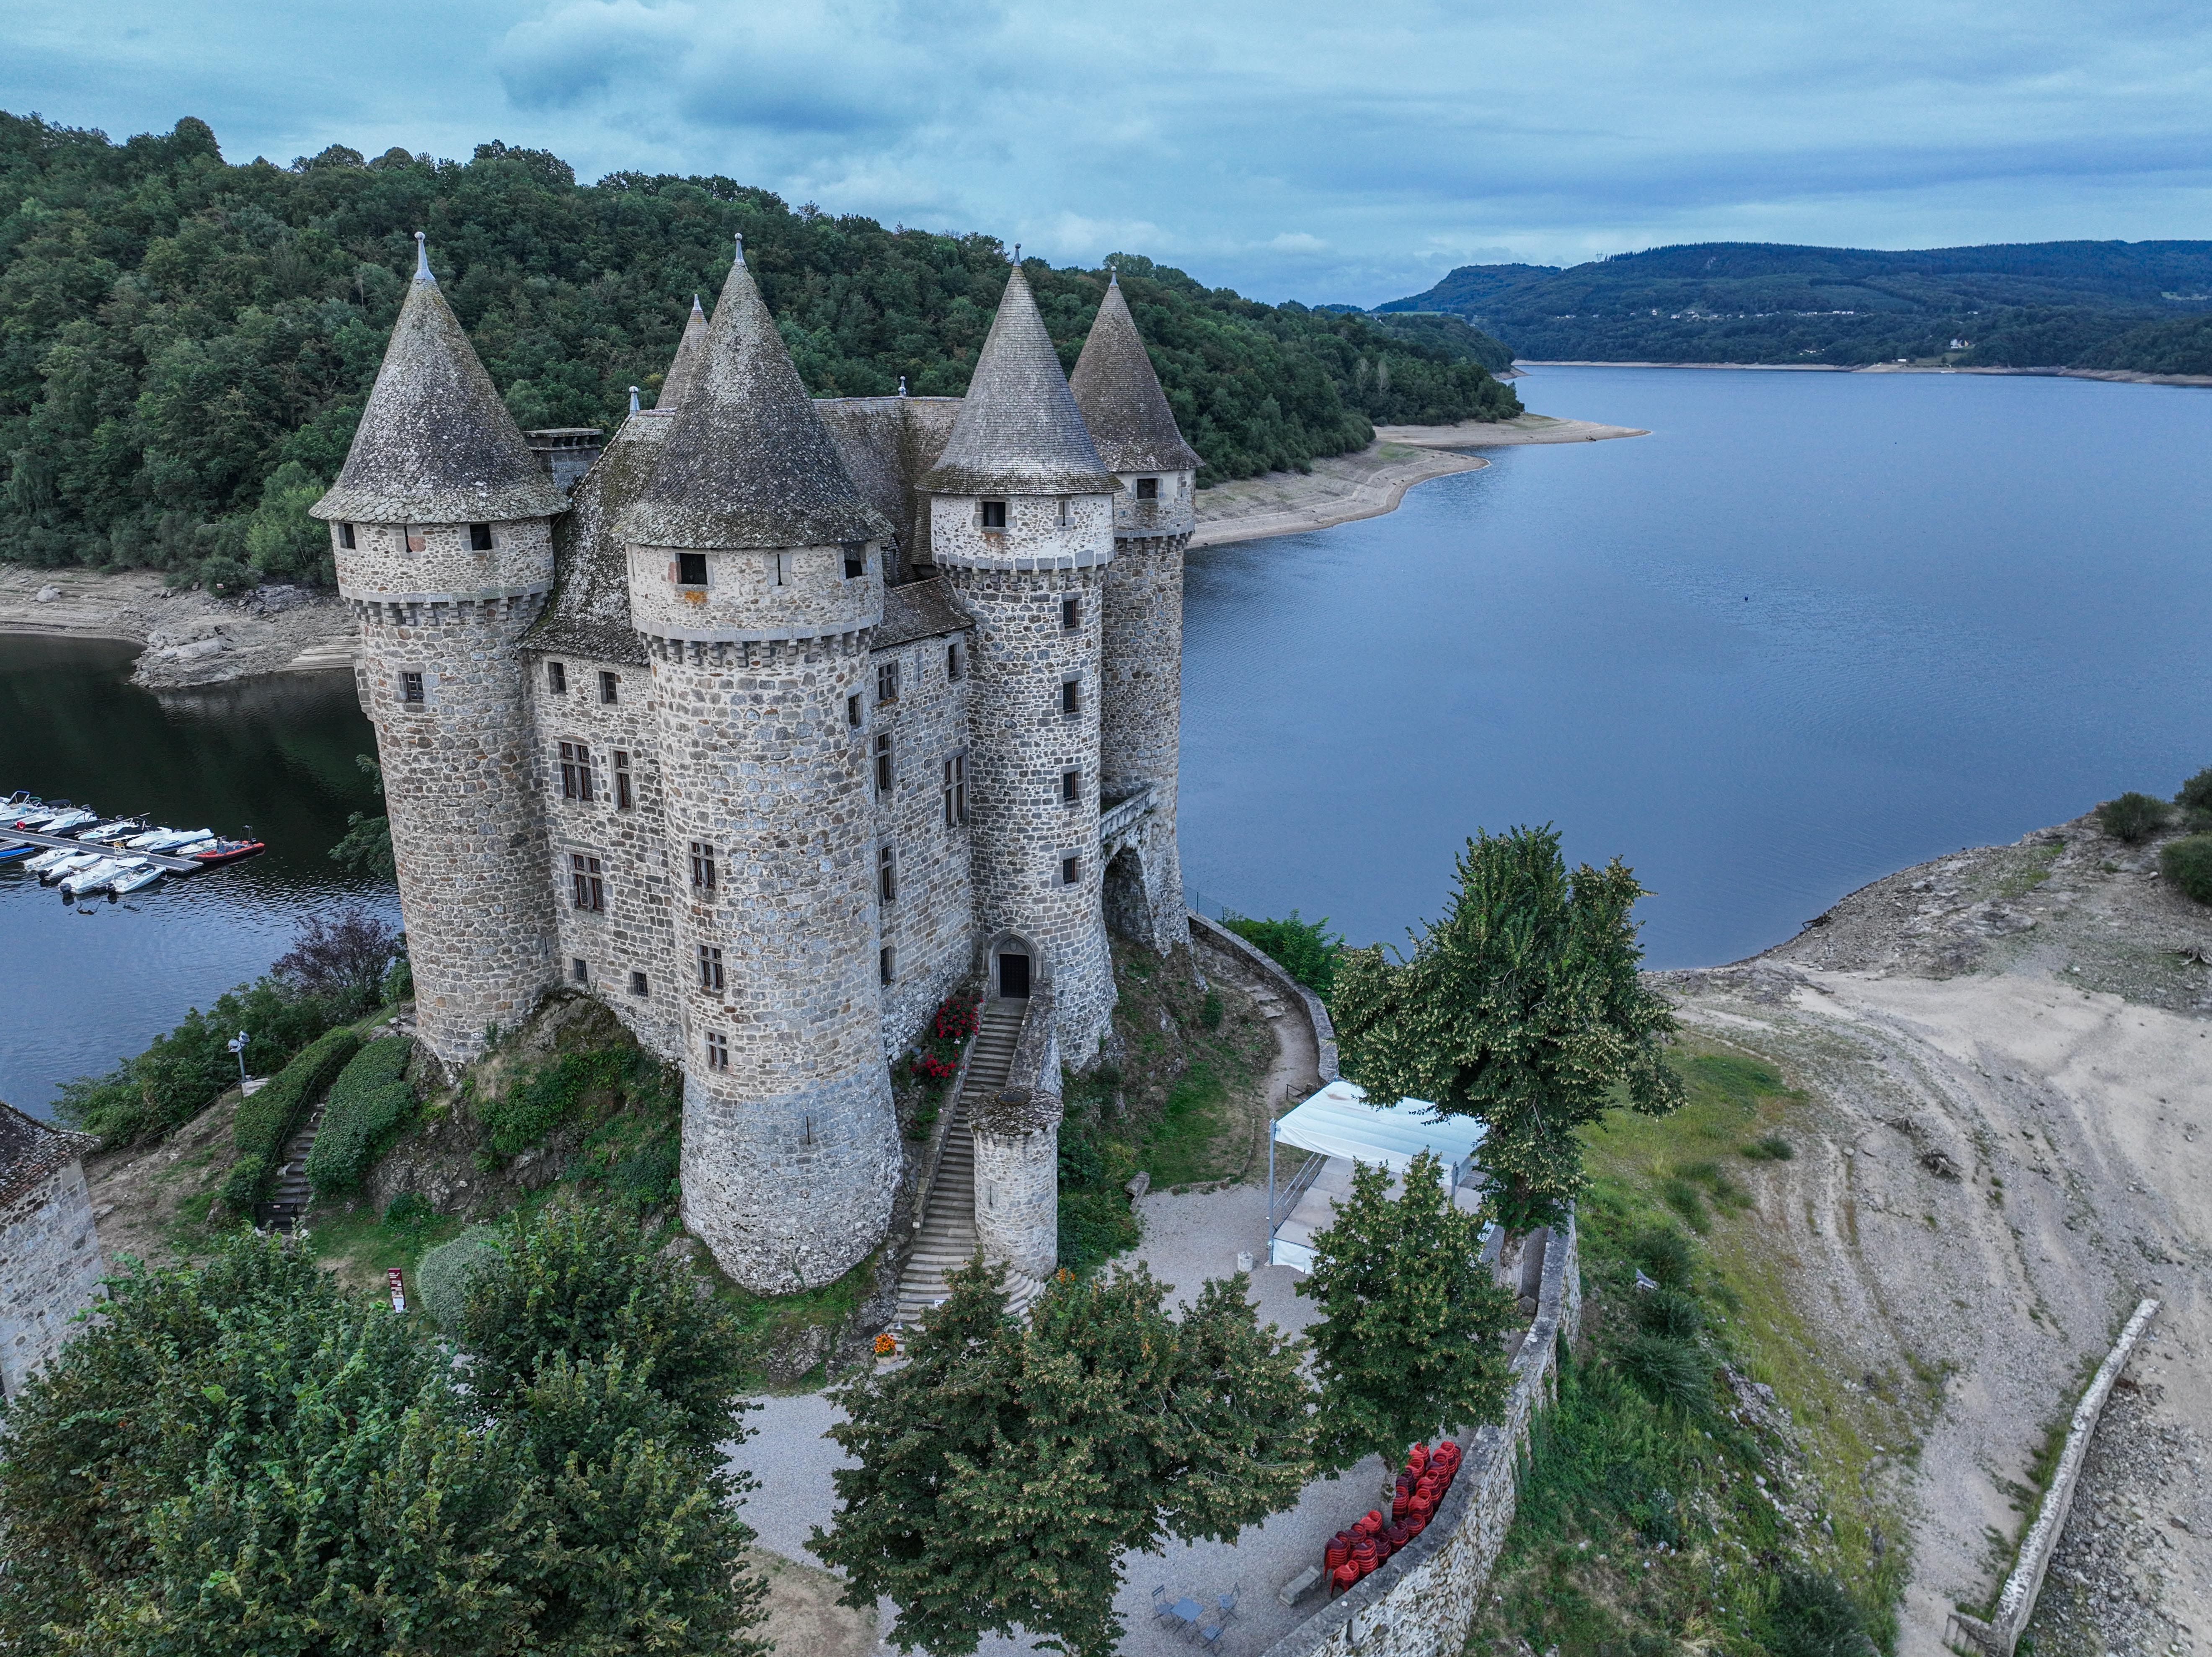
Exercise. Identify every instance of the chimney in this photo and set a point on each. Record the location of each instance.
(566, 452)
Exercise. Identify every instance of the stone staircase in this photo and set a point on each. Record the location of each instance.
(946, 1240)
(290, 1193)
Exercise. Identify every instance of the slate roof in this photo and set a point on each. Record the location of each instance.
(1121, 398)
(1019, 432)
(920, 610)
(749, 464)
(30, 1151)
(682, 376)
(435, 443)
(589, 615)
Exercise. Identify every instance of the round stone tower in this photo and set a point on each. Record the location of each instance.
(1141, 731)
(755, 572)
(441, 524)
(1021, 525)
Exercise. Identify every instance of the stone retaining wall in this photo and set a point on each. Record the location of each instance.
(1422, 1601)
(1212, 934)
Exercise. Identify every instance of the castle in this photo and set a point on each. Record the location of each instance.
(774, 723)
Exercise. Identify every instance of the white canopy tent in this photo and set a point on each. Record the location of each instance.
(1339, 1124)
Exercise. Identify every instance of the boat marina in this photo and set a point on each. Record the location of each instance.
(73, 847)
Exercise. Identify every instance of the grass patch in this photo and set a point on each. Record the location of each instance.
(771, 1322)
(1179, 1148)
(2027, 871)
(360, 1244)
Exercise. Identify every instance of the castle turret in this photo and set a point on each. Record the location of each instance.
(682, 376)
(1141, 703)
(1020, 524)
(755, 577)
(441, 526)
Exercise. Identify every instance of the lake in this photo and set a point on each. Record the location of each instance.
(1815, 629)
(83, 985)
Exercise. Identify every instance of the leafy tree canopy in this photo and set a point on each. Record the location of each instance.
(246, 1459)
(1409, 1341)
(1004, 1471)
(1522, 1007)
(185, 346)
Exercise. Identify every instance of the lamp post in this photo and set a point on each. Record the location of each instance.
(237, 1045)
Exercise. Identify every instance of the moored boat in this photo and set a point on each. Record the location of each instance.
(17, 848)
(68, 863)
(225, 850)
(132, 880)
(78, 882)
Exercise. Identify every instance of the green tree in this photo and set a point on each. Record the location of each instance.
(1522, 1008)
(1003, 1472)
(1408, 1342)
(1306, 950)
(366, 848)
(247, 1457)
(284, 542)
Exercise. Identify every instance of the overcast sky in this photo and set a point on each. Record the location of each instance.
(1289, 148)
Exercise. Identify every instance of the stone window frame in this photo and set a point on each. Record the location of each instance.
(887, 682)
(677, 570)
(609, 687)
(481, 538)
(1067, 512)
(887, 871)
(571, 760)
(956, 667)
(1071, 695)
(984, 515)
(1148, 488)
(345, 537)
(856, 559)
(856, 711)
(557, 678)
(779, 567)
(712, 978)
(718, 1051)
(1071, 613)
(587, 880)
(639, 984)
(416, 680)
(887, 963)
(1067, 866)
(886, 765)
(702, 867)
(953, 790)
(625, 794)
(1071, 785)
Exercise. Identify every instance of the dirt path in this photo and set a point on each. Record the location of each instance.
(2007, 1140)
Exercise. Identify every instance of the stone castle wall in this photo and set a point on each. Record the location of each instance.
(1016, 1145)
(930, 926)
(1140, 734)
(635, 933)
(797, 593)
(790, 1152)
(49, 1269)
(467, 834)
(1021, 743)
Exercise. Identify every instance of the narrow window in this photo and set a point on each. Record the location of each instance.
(1063, 511)
(887, 964)
(718, 1050)
(576, 772)
(1071, 695)
(1070, 868)
(952, 663)
(956, 791)
(691, 569)
(853, 712)
(886, 873)
(883, 775)
(1071, 787)
(1148, 488)
(479, 538)
(703, 866)
(856, 559)
(710, 968)
(411, 688)
(610, 686)
(1071, 615)
(580, 970)
(411, 537)
(587, 887)
(994, 514)
(887, 682)
(779, 568)
(638, 984)
(557, 678)
(345, 536)
(623, 799)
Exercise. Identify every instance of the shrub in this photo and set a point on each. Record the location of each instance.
(2196, 795)
(443, 1275)
(343, 959)
(1665, 1255)
(550, 1096)
(1772, 1149)
(1668, 1371)
(369, 1102)
(2187, 864)
(1673, 1312)
(1306, 950)
(1812, 1617)
(266, 1121)
(2133, 817)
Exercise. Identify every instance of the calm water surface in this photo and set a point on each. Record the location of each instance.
(82, 984)
(1815, 629)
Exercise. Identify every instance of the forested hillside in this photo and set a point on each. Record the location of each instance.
(2145, 305)
(185, 345)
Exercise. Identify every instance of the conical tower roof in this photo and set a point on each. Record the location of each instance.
(1018, 431)
(683, 375)
(749, 464)
(435, 445)
(1121, 397)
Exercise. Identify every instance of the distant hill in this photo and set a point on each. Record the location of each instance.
(2145, 305)
(185, 344)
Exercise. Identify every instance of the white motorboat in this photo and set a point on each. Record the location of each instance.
(102, 833)
(191, 848)
(78, 882)
(68, 863)
(162, 840)
(132, 880)
(45, 860)
(74, 818)
(36, 819)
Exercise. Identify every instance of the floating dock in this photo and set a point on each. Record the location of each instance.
(160, 860)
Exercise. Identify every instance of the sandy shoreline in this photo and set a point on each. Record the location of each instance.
(2120, 376)
(1344, 487)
